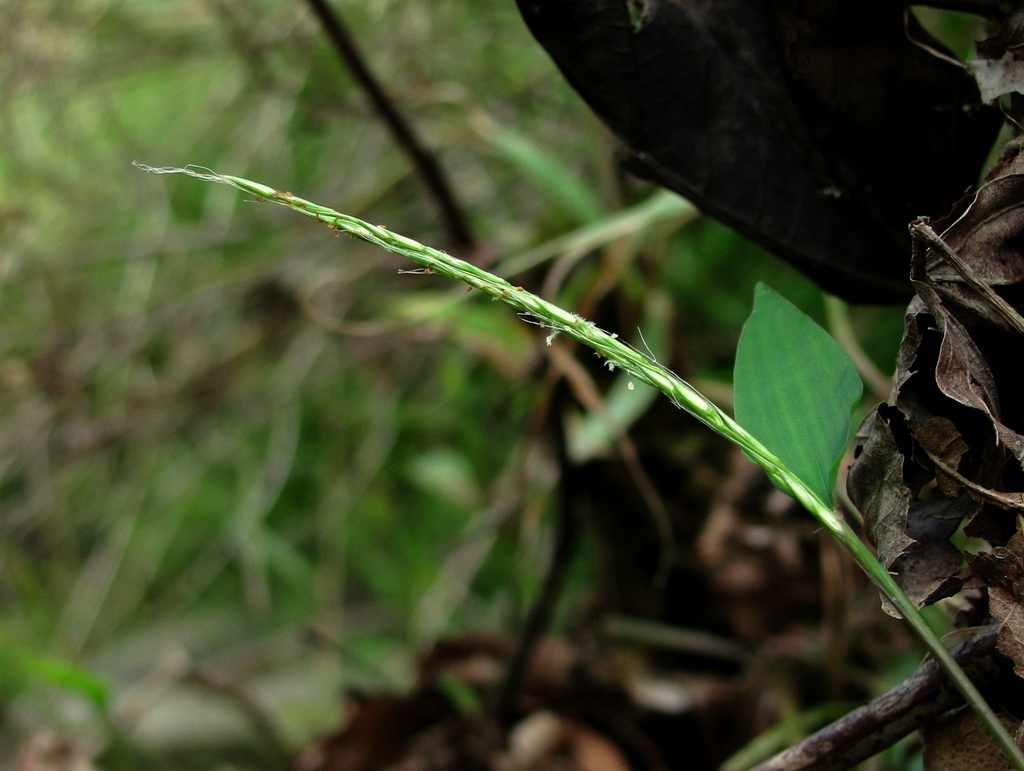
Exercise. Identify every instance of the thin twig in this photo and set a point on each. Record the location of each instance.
(690, 641)
(261, 720)
(539, 616)
(423, 160)
(1005, 500)
(923, 232)
(882, 722)
(586, 393)
(838, 315)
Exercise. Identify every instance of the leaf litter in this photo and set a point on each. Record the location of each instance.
(946, 452)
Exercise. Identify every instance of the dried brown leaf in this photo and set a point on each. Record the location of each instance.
(947, 450)
(1003, 570)
(999, 68)
(961, 742)
(876, 483)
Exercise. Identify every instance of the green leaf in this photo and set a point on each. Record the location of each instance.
(562, 185)
(20, 665)
(794, 390)
(69, 676)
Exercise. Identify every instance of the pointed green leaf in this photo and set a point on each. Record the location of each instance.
(794, 390)
(69, 676)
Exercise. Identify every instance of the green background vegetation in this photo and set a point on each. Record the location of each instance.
(233, 447)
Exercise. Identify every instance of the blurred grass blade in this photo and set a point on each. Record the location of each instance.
(660, 207)
(561, 185)
(785, 734)
(795, 389)
(68, 676)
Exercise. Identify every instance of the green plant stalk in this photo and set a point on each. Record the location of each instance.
(644, 369)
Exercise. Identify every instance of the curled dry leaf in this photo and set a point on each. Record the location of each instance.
(959, 741)
(1003, 570)
(999, 68)
(947, 450)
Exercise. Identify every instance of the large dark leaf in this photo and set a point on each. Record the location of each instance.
(816, 128)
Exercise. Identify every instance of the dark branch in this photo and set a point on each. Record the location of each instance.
(403, 133)
(882, 722)
(539, 617)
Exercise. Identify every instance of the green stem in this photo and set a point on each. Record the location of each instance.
(892, 591)
(645, 370)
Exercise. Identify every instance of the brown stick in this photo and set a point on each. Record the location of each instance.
(403, 133)
(922, 231)
(882, 722)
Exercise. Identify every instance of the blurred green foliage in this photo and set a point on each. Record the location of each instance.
(220, 428)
